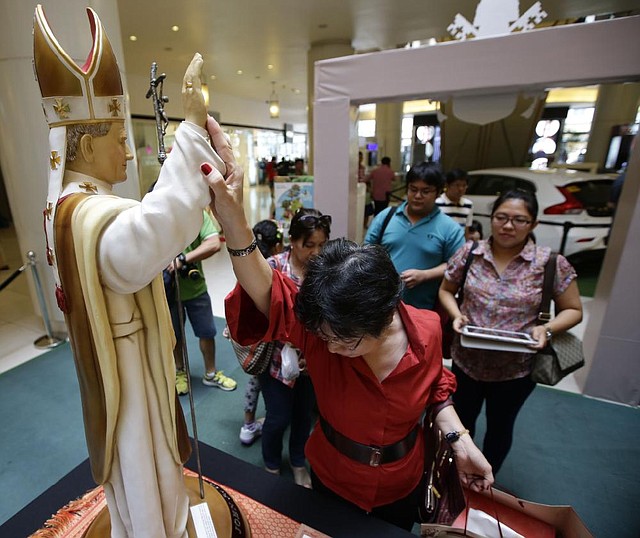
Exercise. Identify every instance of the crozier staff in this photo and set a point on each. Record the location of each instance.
(375, 363)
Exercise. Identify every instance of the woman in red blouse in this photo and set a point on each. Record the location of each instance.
(375, 363)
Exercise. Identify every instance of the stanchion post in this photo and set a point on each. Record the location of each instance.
(49, 340)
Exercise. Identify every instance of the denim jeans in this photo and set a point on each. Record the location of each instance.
(286, 406)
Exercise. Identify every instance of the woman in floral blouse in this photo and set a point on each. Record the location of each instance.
(503, 290)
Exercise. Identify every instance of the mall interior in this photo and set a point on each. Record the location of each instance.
(322, 81)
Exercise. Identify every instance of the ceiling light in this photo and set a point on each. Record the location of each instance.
(175, 28)
(239, 72)
(270, 66)
(133, 38)
(273, 102)
(212, 77)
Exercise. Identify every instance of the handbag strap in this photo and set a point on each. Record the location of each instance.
(495, 510)
(544, 314)
(465, 271)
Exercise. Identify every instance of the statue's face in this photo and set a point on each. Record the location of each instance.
(111, 153)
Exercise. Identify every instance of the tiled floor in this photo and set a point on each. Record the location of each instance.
(20, 326)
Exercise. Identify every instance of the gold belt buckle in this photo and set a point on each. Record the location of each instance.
(376, 457)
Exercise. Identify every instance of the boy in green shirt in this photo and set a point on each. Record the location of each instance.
(196, 304)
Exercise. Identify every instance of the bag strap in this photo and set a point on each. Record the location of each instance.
(544, 314)
(495, 510)
(385, 222)
(465, 271)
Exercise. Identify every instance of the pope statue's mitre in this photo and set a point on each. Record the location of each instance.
(70, 93)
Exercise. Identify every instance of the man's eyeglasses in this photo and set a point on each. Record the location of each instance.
(311, 221)
(425, 192)
(347, 344)
(518, 222)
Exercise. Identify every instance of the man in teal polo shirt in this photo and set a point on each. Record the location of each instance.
(196, 304)
(418, 236)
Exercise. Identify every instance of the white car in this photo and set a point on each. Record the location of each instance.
(573, 214)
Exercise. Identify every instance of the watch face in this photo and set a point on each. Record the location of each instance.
(452, 437)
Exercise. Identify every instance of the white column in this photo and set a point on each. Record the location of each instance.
(24, 144)
(320, 51)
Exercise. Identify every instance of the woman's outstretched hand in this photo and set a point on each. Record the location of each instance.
(226, 190)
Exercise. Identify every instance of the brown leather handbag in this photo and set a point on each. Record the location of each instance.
(441, 497)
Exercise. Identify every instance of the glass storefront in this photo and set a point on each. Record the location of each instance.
(252, 147)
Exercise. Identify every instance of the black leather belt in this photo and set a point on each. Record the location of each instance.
(369, 455)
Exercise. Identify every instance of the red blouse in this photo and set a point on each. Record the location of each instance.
(351, 398)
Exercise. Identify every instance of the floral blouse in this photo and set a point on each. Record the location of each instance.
(507, 301)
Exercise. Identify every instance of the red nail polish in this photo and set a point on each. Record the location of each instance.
(206, 168)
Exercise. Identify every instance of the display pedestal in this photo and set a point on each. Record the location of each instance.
(265, 498)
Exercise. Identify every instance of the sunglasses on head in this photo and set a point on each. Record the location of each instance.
(312, 221)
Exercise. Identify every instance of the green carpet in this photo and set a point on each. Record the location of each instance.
(568, 449)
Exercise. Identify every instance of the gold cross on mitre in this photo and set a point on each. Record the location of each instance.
(61, 108)
(114, 107)
(89, 187)
(54, 160)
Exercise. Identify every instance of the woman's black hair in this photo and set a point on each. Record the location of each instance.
(303, 228)
(528, 198)
(476, 226)
(353, 290)
(268, 236)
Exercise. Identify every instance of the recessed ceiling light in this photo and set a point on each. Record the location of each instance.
(175, 28)
(133, 38)
(296, 90)
(212, 77)
(239, 72)
(270, 66)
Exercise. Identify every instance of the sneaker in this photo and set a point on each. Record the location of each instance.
(250, 432)
(182, 384)
(219, 380)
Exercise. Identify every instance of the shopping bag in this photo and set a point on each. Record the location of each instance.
(531, 520)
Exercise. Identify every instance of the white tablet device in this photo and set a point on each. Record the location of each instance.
(497, 339)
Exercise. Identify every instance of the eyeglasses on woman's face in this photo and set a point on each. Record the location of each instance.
(312, 221)
(517, 221)
(350, 344)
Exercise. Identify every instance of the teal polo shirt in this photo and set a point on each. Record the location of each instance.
(423, 245)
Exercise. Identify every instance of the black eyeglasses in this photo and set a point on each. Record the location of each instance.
(518, 222)
(312, 221)
(348, 344)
